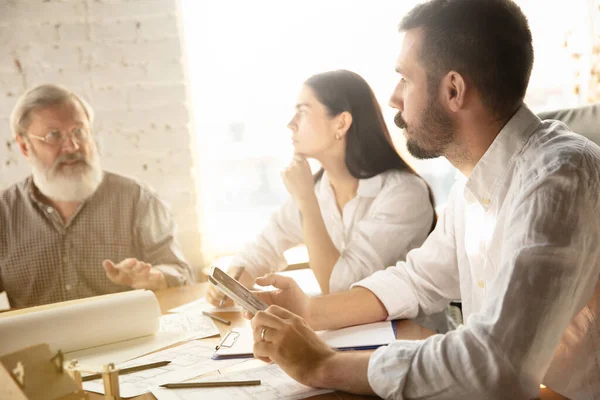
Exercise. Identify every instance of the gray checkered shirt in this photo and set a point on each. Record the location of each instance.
(44, 260)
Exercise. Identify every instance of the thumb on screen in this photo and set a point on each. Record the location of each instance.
(279, 281)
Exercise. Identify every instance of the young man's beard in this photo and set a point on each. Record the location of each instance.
(434, 131)
(68, 182)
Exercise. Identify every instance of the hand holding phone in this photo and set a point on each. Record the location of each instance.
(238, 275)
(236, 291)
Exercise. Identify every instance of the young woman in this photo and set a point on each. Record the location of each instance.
(362, 212)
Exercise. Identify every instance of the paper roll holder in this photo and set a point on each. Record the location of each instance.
(34, 373)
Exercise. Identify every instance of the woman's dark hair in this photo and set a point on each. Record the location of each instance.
(369, 149)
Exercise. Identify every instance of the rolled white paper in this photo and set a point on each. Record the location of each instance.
(82, 324)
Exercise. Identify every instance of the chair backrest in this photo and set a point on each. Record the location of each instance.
(583, 120)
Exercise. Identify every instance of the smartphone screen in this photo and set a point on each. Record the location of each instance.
(236, 291)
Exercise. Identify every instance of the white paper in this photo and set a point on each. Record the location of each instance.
(82, 324)
(187, 361)
(4, 305)
(197, 306)
(127, 349)
(378, 333)
(198, 325)
(275, 384)
(368, 335)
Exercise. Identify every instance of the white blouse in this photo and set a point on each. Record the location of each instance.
(518, 242)
(390, 215)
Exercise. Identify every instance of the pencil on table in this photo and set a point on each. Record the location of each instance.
(216, 318)
(129, 370)
(188, 385)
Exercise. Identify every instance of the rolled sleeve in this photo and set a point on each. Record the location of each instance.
(389, 366)
(174, 275)
(395, 294)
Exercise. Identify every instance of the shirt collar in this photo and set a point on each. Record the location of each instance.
(489, 171)
(33, 191)
(369, 187)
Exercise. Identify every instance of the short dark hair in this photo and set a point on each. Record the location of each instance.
(487, 41)
(369, 148)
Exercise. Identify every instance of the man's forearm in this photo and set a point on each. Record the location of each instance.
(353, 307)
(323, 254)
(345, 371)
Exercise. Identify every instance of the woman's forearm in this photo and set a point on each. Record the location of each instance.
(322, 253)
(357, 306)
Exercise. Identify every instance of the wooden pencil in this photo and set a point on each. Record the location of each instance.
(189, 385)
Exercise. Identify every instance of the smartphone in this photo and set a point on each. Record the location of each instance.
(236, 291)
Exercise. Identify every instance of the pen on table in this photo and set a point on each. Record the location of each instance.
(129, 370)
(187, 385)
(238, 275)
(216, 318)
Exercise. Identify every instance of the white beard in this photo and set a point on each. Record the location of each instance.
(68, 183)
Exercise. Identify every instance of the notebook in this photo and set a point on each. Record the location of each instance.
(238, 343)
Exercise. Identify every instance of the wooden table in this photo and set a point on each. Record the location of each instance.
(175, 297)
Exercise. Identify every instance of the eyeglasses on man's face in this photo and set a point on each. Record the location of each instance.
(57, 138)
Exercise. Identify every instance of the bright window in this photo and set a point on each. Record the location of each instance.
(247, 61)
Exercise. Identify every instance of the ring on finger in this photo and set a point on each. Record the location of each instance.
(262, 334)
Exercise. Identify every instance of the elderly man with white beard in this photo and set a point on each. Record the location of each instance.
(72, 230)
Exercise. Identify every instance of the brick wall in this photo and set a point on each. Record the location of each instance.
(125, 58)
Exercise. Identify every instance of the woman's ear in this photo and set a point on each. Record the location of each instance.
(343, 123)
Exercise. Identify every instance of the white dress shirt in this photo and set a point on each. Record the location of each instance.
(519, 243)
(390, 215)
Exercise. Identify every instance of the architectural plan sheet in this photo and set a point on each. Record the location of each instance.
(275, 384)
(188, 361)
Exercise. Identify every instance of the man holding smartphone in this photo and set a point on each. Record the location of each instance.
(518, 240)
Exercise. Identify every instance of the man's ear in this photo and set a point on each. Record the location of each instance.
(453, 89)
(344, 120)
(22, 145)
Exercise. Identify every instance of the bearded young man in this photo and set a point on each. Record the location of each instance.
(72, 230)
(518, 241)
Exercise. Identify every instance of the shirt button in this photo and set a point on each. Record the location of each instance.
(50, 210)
(485, 202)
(481, 284)
(68, 287)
